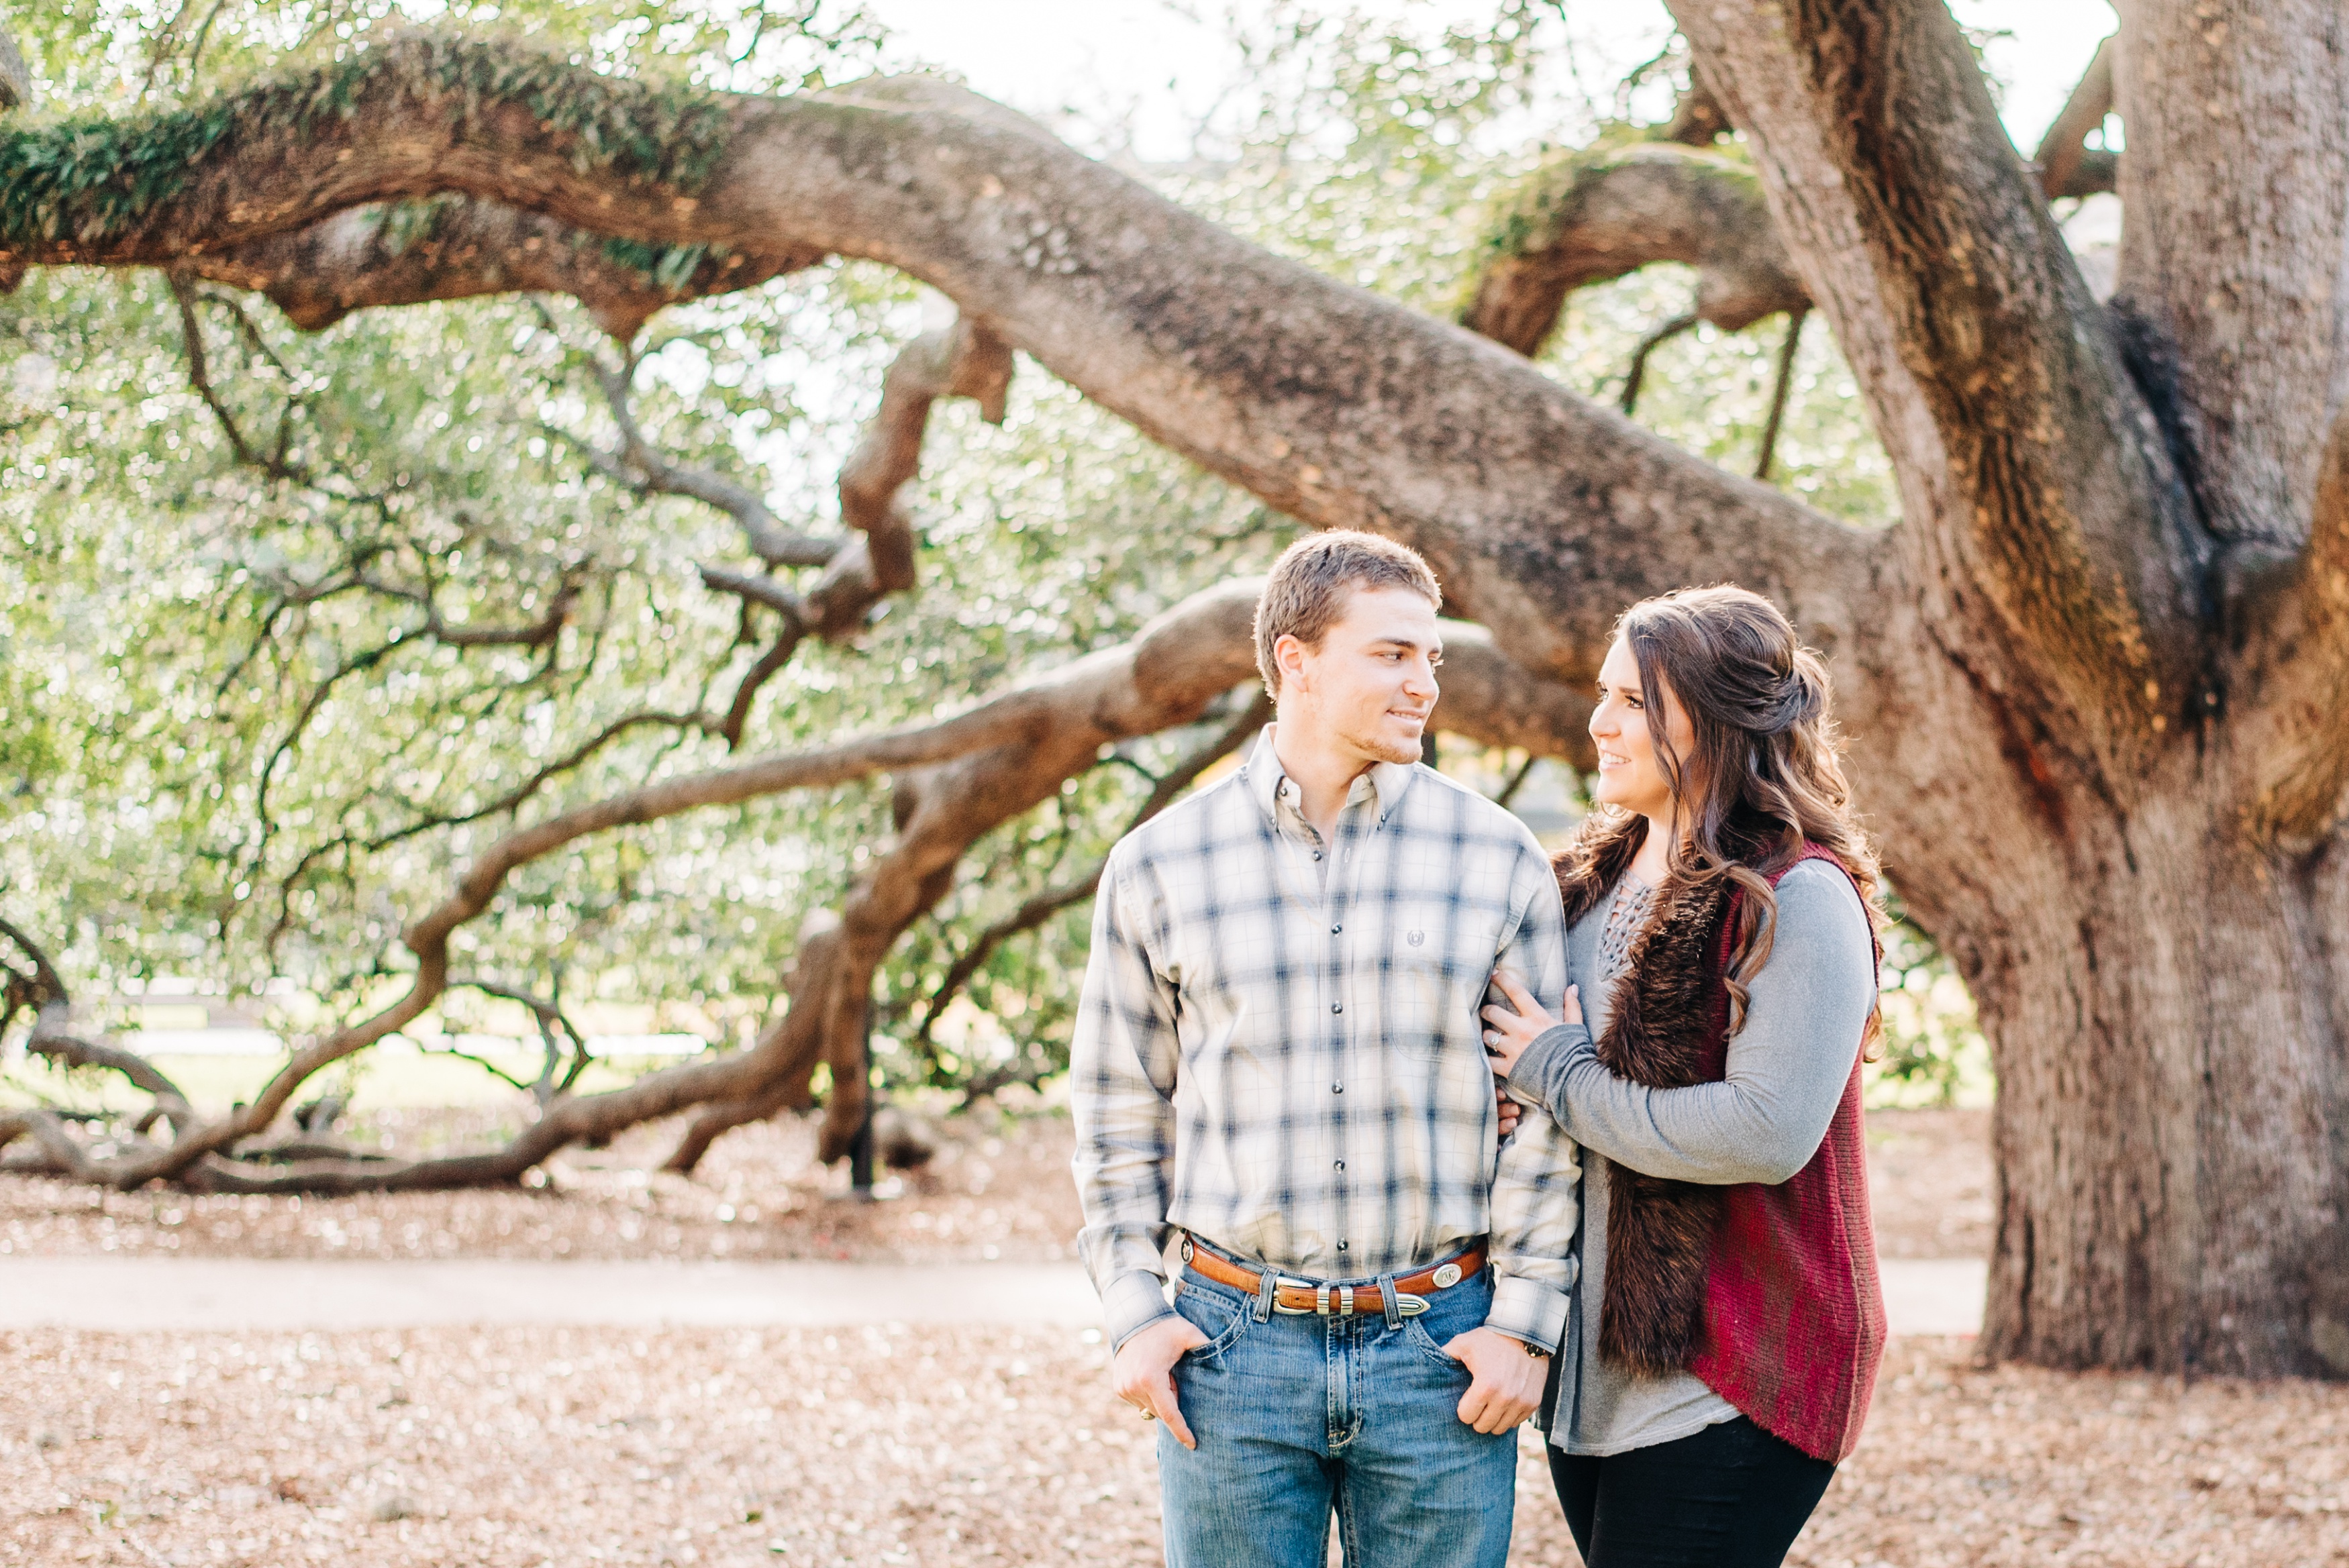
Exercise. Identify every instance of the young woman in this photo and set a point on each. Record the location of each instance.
(1725, 1328)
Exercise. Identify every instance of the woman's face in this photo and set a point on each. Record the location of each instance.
(1629, 773)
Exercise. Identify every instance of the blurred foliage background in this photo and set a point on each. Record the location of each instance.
(225, 752)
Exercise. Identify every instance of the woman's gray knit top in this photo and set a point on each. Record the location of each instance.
(1763, 1122)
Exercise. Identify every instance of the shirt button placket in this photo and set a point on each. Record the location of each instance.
(1338, 1035)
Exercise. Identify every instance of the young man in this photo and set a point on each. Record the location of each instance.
(1279, 1058)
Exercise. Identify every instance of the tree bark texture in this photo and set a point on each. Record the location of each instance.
(2091, 678)
(2118, 719)
(1589, 216)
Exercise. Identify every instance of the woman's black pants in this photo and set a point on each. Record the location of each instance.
(1730, 1496)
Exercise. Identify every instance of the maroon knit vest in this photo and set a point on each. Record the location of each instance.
(1793, 1313)
(1766, 1293)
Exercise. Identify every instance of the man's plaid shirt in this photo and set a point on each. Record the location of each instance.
(1295, 1070)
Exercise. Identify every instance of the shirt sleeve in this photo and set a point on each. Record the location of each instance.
(1536, 1193)
(1786, 1069)
(1122, 1071)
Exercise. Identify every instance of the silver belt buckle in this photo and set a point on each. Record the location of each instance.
(1347, 1301)
(1281, 1282)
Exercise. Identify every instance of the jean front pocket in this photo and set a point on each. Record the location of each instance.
(1451, 1312)
(1420, 1340)
(1222, 1319)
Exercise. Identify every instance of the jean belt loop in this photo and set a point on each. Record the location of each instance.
(1387, 1298)
(1267, 1282)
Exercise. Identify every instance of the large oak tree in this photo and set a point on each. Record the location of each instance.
(2093, 677)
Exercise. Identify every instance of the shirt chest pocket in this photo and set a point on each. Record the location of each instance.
(1435, 981)
(1426, 998)
(1435, 964)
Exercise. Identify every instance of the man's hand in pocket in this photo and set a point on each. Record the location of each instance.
(1142, 1371)
(1508, 1383)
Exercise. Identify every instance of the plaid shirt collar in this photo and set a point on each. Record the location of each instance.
(1270, 786)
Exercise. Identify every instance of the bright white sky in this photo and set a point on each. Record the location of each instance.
(1164, 62)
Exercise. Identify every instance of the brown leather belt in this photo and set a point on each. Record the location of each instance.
(1300, 1297)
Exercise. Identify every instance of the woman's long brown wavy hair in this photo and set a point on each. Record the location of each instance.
(1764, 774)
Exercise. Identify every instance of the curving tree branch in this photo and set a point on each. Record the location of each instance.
(983, 768)
(1044, 906)
(2067, 165)
(1328, 403)
(2029, 452)
(965, 359)
(1598, 213)
(637, 464)
(458, 247)
(43, 993)
(1103, 687)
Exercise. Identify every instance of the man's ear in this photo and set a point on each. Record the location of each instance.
(1289, 655)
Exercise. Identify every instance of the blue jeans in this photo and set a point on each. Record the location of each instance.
(1297, 1416)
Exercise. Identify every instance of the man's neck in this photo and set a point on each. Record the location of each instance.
(1323, 772)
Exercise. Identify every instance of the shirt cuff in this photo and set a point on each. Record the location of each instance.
(1540, 1073)
(1528, 1310)
(1131, 1302)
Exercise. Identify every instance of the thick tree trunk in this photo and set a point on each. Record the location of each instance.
(2162, 1010)
(2111, 773)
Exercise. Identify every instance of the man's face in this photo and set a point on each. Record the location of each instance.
(1368, 690)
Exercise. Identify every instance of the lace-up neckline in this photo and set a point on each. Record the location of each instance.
(1627, 911)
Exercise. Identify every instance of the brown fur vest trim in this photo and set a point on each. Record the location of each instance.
(1668, 1000)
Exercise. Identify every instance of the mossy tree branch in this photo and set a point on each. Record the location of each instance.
(1598, 213)
(457, 247)
(1125, 296)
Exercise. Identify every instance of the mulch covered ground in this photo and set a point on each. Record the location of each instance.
(446, 1448)
(454, 1447)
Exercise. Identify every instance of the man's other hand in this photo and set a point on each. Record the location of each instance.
(1509, 1382)
(1142, 1372)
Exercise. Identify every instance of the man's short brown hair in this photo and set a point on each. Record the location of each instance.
(1306, 593)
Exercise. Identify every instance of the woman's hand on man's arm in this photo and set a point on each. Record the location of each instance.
(1509, 1030)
